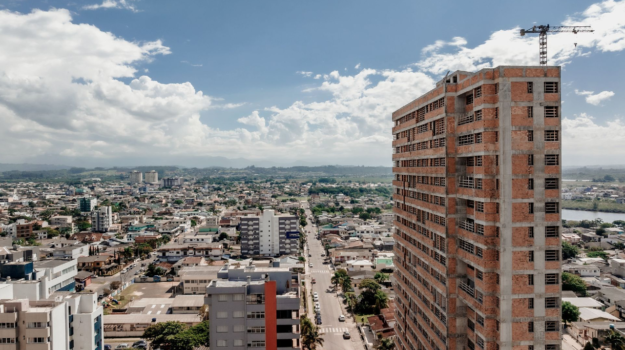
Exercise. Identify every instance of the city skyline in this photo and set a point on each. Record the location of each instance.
(273, 83)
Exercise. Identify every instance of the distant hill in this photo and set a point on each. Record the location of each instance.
(30, 167)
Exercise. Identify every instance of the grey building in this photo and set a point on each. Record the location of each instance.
(254, 308)
(269, 234)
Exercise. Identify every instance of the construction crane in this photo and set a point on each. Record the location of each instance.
(542, 36)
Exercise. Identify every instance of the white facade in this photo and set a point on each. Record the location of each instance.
(10, 229)
(151, 177)
(101, 219)
(136, 177)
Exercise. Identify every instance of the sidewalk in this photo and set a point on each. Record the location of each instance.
(352, 325)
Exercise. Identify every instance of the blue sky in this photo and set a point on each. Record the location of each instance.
(245, 57)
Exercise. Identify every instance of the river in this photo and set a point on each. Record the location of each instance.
(578, 215)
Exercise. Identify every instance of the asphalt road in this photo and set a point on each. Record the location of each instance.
(101, 282)
(331, 304)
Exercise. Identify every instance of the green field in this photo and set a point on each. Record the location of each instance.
(611, 207)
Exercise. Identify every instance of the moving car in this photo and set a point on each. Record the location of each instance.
(342, 318)
(310, 265)
(314, 281)
(346, 335)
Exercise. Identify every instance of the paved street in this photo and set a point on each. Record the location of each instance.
(331, 305)
(99, 283)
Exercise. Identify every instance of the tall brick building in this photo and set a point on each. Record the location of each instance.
(477, 212)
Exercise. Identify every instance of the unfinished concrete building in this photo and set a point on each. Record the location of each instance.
(477, 212)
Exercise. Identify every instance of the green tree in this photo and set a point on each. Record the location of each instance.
(193, 223)
(309, 334)
(574, 283)
(115, 285)
(599, 254)
(381, 277)
(569, 251)
(367, 299)
(570, 312)
(178, 201)
(386, 344)
(223, 236)
(616, 341)
(163, 334)
(588, 346)
(381, 301)
(364, 216)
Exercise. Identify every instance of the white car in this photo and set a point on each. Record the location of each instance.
(342, 318)
(315, 298)
(315, 294)
(122, 346)
(310, 265)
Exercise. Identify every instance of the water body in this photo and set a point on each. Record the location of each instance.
(579, 215)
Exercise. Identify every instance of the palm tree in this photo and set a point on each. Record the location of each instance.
(310, 334)
(381, 277)
(386, 344)
(381, 300)
(336, 279)
(616, 340)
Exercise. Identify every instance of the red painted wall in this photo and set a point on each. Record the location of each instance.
(271, 321)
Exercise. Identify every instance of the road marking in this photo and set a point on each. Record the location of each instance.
(333, 330)
(158, 312)
(153, 306)
(162, 306)
(149, 312)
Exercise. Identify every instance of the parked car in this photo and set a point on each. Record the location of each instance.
(108, 347)
(346, 335)
(342, 318)
(140, 344)
(122, 346)
(315, 294)
(310, 265)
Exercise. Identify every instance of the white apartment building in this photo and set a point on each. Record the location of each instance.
(136, 177)
(151, 177)
(269, 234)
(101, 219)
(10, 229)
(63, 221)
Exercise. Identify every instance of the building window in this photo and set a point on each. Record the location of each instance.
(551, 303)
(552, 255)
(478, 92)
(238, 297)
(239, 328)
(480, 320)
(531, 208)
(238, 314)
(551, 87)
(530, 87)
(222, 329)
(530, 280)
(530, 256)
(223, 297)
(530, 327)
(552, 184)
(551, 135)
(530, 135)
(479, 207)
(222, 343)
(256, 344)
(530, 303)
(530, 111)
(552, 159)
(552, 208)
(551, 326)
(37, 340)
(552, 278)
(551, 347)
(530, 159)
(238, 342)
(469, 99)
(478, 115)
(479, 275)
(551, 112)
(552, 231)
(530, 184)
(256, 314)
(530, 232)
(222, 314)
(259, 329)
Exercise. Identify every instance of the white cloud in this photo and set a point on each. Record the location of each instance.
(112, 4)
(318, 76)
(585, 140)
(507, 47)
(305, 74)
(191, 64)
(357, 66)
(595, 99)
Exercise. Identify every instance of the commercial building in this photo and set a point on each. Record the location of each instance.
(62, 221)
(136, 177)
(477, 212)
(101, 219)
(25, 230)
(151, 177)
(172, 182)
(254, 308)
(87, 204)
(269, 234)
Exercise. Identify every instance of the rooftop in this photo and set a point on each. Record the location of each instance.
(188, 301)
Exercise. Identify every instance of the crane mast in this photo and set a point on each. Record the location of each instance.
(542, 31)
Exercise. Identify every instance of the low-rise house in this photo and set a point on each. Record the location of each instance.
(189, 261)
(71, 252)
(582, 270)
(359, 265)
(134, 325)
(589, 303)
(173, 253)
(572, 238)
(594, 316)
(187, 304)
